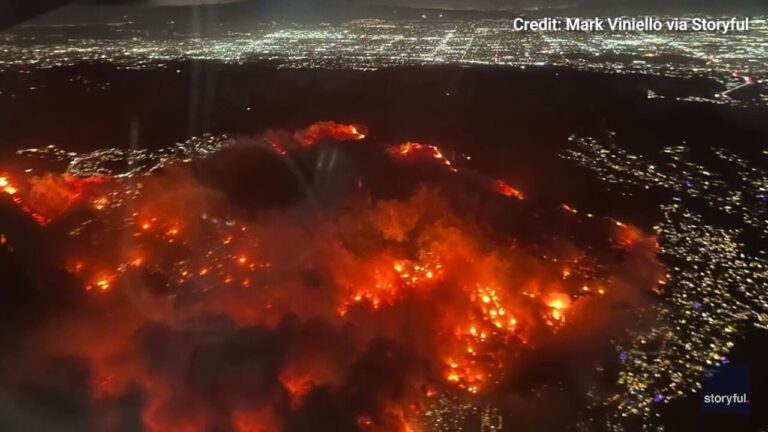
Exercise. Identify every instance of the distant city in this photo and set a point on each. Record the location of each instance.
(736, 60)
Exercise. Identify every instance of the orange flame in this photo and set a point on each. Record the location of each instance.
(507, 190)
(329, 131)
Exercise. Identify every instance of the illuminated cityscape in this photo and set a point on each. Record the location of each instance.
(714, 277)
(734, 59)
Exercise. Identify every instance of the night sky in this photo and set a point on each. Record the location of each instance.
(95, 11)
(457, 4)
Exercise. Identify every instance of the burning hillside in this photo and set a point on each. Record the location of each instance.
(362, 308)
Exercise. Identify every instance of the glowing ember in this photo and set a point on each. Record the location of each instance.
(507, 190)
(416, 151)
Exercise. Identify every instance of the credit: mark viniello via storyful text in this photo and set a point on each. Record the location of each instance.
(634, 24)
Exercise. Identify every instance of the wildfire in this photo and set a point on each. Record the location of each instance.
(416, 151)
(419, 270)
(557, 304)
(627, 236)
(48, 196)
(328, 131)
(476, 354)
(391, 282)
(507, 190)
(13, 192)
(103, 284)
(568, 208)
(7, 187)
(285, 144)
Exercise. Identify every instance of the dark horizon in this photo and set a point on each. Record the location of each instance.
(224, 11)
